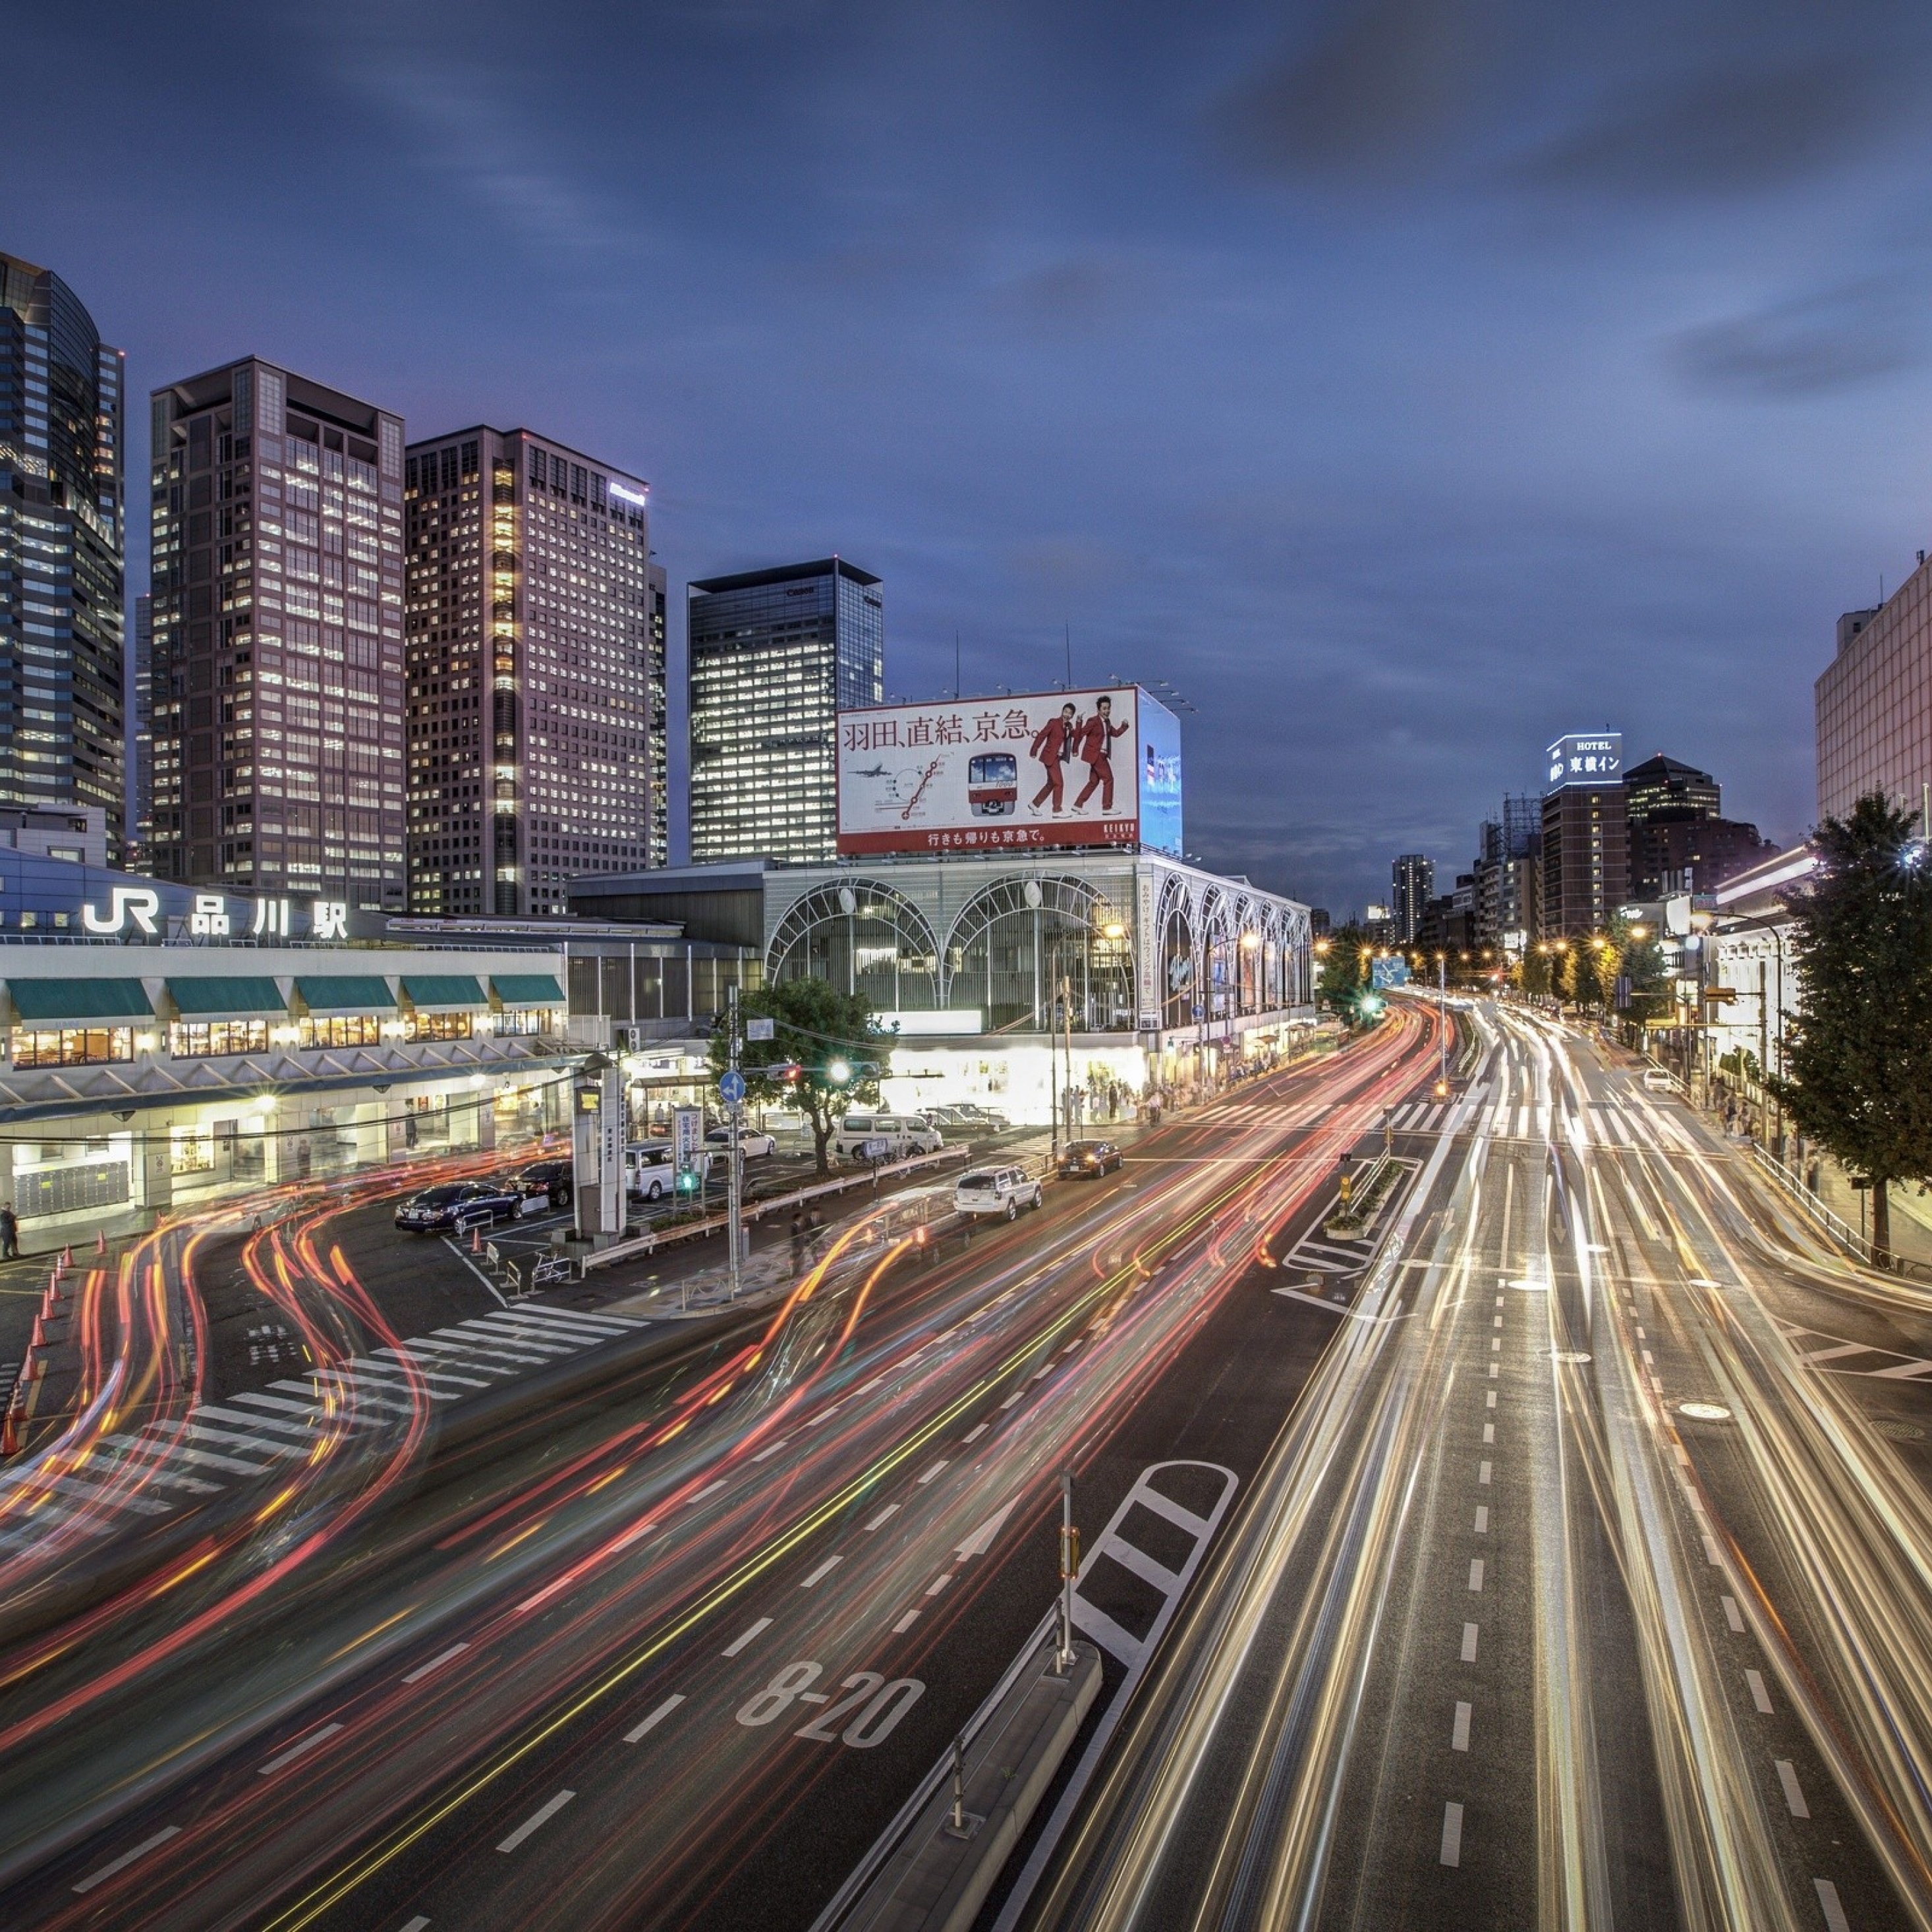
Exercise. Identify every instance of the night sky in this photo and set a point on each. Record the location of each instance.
(1407, 381)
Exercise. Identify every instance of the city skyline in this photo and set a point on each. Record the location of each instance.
(1386, 554)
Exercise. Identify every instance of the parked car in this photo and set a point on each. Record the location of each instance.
(650, 1171)
(947, 1117)
(1079, 1159)
(996, 1190)
(553, 1181)
(751, 1145)
(460, 1203)
(1657, 1080)
(900, 1134)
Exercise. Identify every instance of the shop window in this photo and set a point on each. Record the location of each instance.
(205, 1040)
(526, 1020)
(340, 1029)
(72, 1046)
(441, 1026)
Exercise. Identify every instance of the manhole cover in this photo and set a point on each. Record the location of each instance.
(1704, 1411)
(1568, 1355)
(1900, 1431)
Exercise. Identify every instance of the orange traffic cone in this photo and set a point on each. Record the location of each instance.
(476, 1240)
(66, 1258)
(9, 1432)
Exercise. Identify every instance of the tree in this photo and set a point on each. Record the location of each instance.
(1537, 976)
(1590, 972)
(1858, 1075)
(831, 1038)
(1345, 989)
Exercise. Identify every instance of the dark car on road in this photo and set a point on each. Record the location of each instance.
(459, 1204)
(551, 1179)
(1080, 1158)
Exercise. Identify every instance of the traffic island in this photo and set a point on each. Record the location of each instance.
(938, 1878)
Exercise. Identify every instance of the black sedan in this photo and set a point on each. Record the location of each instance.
(551, 1180)
(460, 1204)
(1079, 1159)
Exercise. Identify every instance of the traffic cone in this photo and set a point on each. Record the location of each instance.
(476, 1240)
(66, 1259)
(9, 1431)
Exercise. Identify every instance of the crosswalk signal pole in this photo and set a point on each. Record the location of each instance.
(1069, 1568)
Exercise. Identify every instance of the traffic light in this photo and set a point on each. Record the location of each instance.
(687, 1180)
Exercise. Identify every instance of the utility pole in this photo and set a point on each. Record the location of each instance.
(1442, 1015)
(734, 1098)
(1069, 1568)
(1066, 1015)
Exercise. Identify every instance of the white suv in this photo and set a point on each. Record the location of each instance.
(995, 1190)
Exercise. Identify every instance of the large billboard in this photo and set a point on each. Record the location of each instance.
(1053, 768)
(1592, 758)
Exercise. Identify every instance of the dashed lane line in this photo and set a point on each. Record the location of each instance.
(737, 1644)
(283, 1758)
(435, 1663)
(538, 1819)
(126, 1858)
(655, 1718)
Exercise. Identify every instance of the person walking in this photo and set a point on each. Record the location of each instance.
(10, 1234)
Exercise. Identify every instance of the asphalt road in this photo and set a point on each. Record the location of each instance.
(664, 1633)
(1585, 1588)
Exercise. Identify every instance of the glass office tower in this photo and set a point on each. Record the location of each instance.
(62, 551)
(775, 656)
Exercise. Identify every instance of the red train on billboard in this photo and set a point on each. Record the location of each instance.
(1055, 768)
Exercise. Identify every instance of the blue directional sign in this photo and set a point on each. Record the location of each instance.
(731, 1085)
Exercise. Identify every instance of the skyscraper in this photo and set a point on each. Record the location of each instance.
(1414, 879)
(775, 655)
(660, 731)
(1874, 703)
(277, 674)
(1585, 835)
(530, 671)
(63, 544)
(1679, 839)
(140, 843)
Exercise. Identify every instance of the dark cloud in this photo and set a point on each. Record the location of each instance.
(1835, 339)
(1731, 130)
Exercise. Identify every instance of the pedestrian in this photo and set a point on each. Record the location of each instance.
(10, 1234)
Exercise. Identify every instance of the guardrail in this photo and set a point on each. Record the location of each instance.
(1841, 1230)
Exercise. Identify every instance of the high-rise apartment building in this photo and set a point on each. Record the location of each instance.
(530, 672)
(277, 674)
(1413, 877)
(1874, 703)
(1585, 835)
(774, 656)
(140, 842)
(660, 731)
(1679, 839)
(63, 546)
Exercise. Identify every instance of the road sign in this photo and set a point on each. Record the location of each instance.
(731, 1085)
(687, 1136)
(1197, 1009)
(759, 1029)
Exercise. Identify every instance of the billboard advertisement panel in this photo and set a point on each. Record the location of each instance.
(1592, 758)
(1053, 768)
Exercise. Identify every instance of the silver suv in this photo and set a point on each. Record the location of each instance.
(996, 1190)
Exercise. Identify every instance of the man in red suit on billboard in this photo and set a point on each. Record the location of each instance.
(1092, 744)
(1053, 745)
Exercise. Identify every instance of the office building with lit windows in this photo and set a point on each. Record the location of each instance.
(660, 731)
(774, 656)
(533, 661)
(276, 675)
(62, 552)
(1413, 877)
(1873, 704)
(1585, 835)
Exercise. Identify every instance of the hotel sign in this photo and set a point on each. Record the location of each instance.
(1597, 759)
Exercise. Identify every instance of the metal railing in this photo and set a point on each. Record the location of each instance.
(1855, 1243)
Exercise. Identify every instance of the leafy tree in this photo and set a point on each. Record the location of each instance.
(1857, 1073)
(1537, 975)
(1345, 988)
(1641, 962)
(834, 1039)
(1590, 972)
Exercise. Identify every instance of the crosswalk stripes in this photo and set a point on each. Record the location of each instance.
(168, 1464)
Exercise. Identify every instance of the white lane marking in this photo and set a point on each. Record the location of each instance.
(1496, 1344)
(541, 1817)
(973, 1435)
(1649, 1360)
(1013, 1398)
(630, 1536)
(823, 1415)
(1482, 1473)
(737, 1644)
(1493, 1367)
(1711, 1550)
(872, 1385)
(891, 1509)
(1488, 1432)
(1458, 1737)
(1835, 1920)
(1731, 1614)
(709, 1489)
(1482, 1518)
(1492, 1402)
(1499, 1303)
(823, 1571)
(1475, 1572)
(771, 1449)
(302, 1749)
(126, 1858)
(905, 1623)
(1497, 1322)
(655, 1718)
(1468, 1643)
(435, 1663)
(981, 1541)
(1793, 1797)
(1452, 1835)
(939, 1583)
(931, 1472)
(416, 1924)
(1760, 1697)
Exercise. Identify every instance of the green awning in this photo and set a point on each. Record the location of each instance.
(38, 1000)
(347, 993)
(426, 990)
(526, 989)
(222, 996)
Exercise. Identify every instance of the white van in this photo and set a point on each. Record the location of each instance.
(1657, 1080)
(859, 1136)
(650, 1173)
